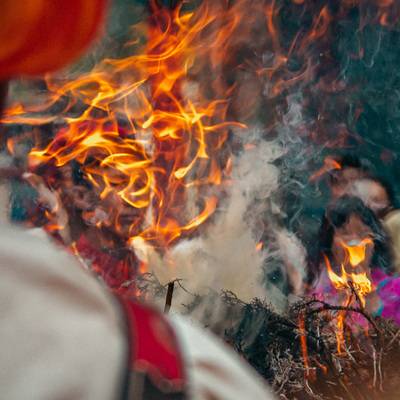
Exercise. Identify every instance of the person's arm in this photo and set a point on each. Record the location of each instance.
(214, 370)
(63, 334)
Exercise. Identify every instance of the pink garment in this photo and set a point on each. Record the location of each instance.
(387, 287)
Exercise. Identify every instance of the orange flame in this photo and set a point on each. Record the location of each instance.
(350, 284)
(330, 164)
(340, 331)
(149, 130)
(303, 344)
(147, 133)
(356, 253)
(350, 281)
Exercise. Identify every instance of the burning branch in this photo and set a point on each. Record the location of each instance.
(330, 307)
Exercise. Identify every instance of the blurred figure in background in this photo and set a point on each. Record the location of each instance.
(379, 197)
(349, 224)
(344, 171)
(353, 176)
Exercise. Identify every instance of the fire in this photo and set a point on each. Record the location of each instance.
(330, 164)
(356, 251)
(151, 129)
(146, 132)
(340, 331)
(360, 283)
(354, 286)
(303, 343)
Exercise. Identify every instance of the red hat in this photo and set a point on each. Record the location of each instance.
(39, 36)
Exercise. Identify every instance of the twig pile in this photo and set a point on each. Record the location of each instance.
(366, 368)
(297, 353)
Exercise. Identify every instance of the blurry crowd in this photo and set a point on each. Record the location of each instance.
(361, 216)
(359, 232)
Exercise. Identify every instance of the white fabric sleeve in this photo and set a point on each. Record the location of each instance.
(215, 371)
(60, 335)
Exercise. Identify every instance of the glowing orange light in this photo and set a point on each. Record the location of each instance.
(303, 344)
(259, 246)
(350, 284)
(340, 331)
(145, 129)
(329, 165)
(142, 133)
(356, 253)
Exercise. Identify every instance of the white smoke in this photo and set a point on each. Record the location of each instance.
(225, 257)
(294, 259)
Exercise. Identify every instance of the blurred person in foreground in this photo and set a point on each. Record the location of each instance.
(63, 335)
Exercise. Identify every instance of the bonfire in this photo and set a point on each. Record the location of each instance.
(216, 110)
